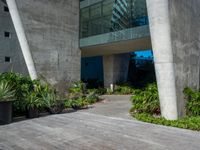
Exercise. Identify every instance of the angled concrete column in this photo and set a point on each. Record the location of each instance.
(115, 68)
(158, 12)
(22, 38)
(49, 29)
(175, 32)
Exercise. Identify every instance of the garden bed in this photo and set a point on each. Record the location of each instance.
(145, 107)
(35, 98)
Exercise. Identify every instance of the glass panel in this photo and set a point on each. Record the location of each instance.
(95, 11)
(112, 15)
(108, 7)
(85, 14)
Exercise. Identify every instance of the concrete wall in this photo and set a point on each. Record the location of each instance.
(175, 36)
(9, 46)
(115, 68)
(52, 31)
(185, 35)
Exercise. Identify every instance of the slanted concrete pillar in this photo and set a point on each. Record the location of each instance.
(115, 68)
(22, 38)
(175, 32)
(158, 11)
(48, 32)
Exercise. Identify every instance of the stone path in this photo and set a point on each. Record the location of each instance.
(87, 130)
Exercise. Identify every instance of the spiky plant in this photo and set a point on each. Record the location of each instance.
(6, 91)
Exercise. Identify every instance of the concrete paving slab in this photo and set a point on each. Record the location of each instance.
(113, 106)
(95, 130)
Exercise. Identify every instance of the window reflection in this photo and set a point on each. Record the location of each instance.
(112, 15)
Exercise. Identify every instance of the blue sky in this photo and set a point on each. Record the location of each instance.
(145, 53)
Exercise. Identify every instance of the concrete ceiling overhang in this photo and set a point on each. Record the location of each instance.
(117, 47)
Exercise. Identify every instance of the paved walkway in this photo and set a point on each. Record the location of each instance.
(87, 130)
(113, 106)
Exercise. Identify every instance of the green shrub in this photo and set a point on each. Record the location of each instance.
(146, 101)
(77, 103)
(92, 98)
(99, 91)
(32, 101)
(22, 85)
(146, 108)
(77, 87)
(192, 123)
(7, 93)
(79, 97)
(124, 89)
(30, 94)
(46, 94)
(193, 102)
(67, 103)
(57, 107)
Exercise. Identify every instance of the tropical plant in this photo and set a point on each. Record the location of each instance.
(188, 122)
(46, 93)
(99, 91)
(77, 87)
(193, 102)
(146, 101)
(124, 89)
(67, 103)
(32, 101)
(57, 107)
(7, 93)
(78, 103)
(21, 84)
(92, 97)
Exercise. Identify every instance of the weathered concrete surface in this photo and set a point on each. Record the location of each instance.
(185, 36)
(115, 68)
(84, 131)
(17, 22)
(112, 106)
(175, 35)
(9, 46)
(52, 31)
(158, 12)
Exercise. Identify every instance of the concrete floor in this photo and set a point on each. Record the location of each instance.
(90, 130)
(113, 106)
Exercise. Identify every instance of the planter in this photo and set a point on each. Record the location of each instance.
(55, 110)
(5, 112)
(76, 107)
(32, 113)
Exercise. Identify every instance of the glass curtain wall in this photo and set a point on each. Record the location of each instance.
(112, 15)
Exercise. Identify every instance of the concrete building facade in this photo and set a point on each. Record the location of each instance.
(48, 33)
(11, 58)
(46, 41)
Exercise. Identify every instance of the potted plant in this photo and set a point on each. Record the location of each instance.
(7, 95)
(32, 104)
